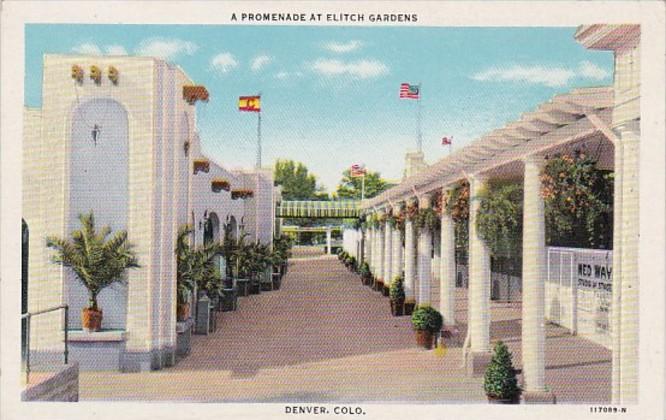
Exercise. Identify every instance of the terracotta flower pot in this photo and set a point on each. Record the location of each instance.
(424, 339)
(182, 311)
(91, 320)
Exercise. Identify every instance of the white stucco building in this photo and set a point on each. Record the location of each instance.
(127, 149)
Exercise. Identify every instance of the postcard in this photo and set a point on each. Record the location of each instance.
(449, 210)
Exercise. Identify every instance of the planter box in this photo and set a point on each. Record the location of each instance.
(243, 286)
(229, 300)
(385, 290)
(409, 308)
(255, 286)
(277, 280)
(184, 337)
(397, 308)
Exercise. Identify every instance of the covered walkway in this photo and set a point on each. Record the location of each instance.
(323, 337)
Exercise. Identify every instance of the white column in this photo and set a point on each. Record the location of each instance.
(479, 276)
(424, 259)
(328, 241)
(396, 258)
(447, 270)
(410, 261)
(625, 302)
(388, 254)
(366, 245)
(534, 267)
(373, 249)
(380, 253)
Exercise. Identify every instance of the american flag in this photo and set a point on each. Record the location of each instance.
(447, 141)
(357, 170)
(408, 91)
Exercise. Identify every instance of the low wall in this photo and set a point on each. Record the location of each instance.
(61, 385)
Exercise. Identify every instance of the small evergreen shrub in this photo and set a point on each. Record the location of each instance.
(500, 380)
(397, 290)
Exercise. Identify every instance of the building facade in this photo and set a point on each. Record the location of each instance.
(117, 136)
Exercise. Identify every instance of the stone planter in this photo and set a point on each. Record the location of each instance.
(385, 290)
(243, 286)
(277, 281)
(425, 339)
(229, 300)
(255, 286)
(409, 308)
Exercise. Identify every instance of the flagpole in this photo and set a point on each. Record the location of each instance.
(419, 135)
(258, 165)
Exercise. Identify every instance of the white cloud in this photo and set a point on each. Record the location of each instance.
(259, 62)
(343, 47)
(592, 71)
(115, 50)
(283, 75)
(223, 62)
(542, 75)
(359, 69)
(168, 49)
(87, 48)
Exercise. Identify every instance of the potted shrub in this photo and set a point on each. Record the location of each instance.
(184, 281)
(500, 382)
(366, 275)
(97, 261)
(397, 296)
(426, 322)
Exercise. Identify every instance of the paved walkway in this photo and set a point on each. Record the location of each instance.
(323, 337)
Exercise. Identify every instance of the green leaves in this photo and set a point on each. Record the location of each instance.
(97, 261)
(296, 181)
(427, 318)
(500, 219)
(351, 187)
(500, 377)
(578, 202)
(397, 290)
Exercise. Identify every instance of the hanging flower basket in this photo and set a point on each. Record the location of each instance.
(201, 165)
(427, 219)
(218, 185)
(77, 73)
(437, 202)
(456, 202)
(412, 211)
(241, 194)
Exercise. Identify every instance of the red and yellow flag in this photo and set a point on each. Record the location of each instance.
(249, 103)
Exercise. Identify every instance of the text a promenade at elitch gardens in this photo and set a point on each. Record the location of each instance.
(504, 272)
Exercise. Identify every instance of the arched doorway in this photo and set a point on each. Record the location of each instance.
(99, 182)
(212, 229)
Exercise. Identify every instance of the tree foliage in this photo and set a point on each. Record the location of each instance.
(350, 188)
(578, 202)
(500, 219)
(97, 259)
(296, 181)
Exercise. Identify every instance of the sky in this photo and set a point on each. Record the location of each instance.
(330, 94)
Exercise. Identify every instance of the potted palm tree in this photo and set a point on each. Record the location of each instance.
(427, 321)
(397, 296)
(96, 259)
(366, 275)
(184, 281)
(500, 382)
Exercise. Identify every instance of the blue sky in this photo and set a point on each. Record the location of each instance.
(330, 94)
